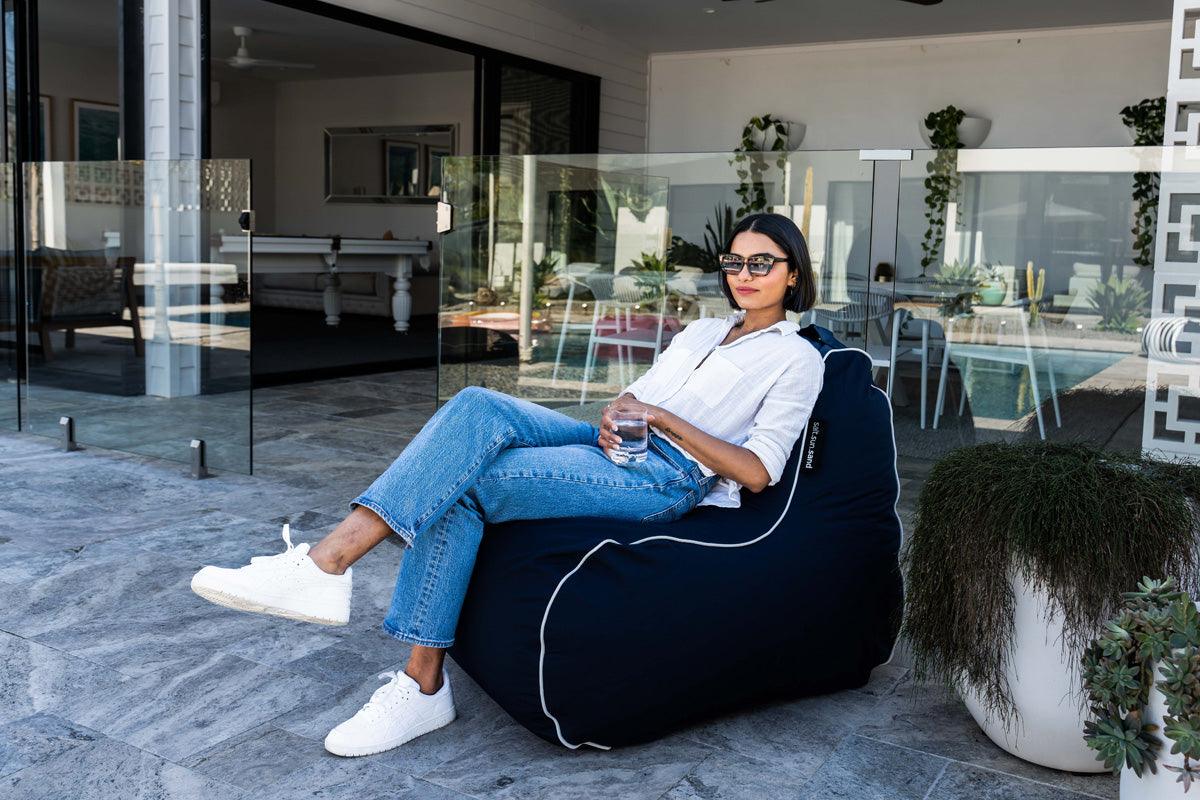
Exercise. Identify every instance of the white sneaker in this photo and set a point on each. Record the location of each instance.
(397, 712)
(289, 584)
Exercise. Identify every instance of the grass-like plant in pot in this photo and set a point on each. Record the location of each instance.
(1018, 554)
(1142, 677)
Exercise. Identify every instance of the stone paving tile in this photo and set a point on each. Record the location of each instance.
(725, 775)
(177, 712)
(38, 679)
(796, 737)
(514, 763)
(110, 770)
(866, 770)
(33, 739)
(962, 781)
(270, 762)
(930, 719)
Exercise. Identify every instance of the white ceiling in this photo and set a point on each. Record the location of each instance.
(678, 25)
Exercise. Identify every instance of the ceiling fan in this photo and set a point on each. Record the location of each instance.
(243, 60)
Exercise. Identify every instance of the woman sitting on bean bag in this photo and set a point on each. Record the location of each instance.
(726, 402)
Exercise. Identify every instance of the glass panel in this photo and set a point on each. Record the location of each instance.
(9, 388)
(139, 322)
(535, 112)
(1029, 293)
(623, 252)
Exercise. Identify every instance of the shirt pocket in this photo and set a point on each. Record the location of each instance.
(713, 380)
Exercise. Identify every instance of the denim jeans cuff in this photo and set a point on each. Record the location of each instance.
(399, 530)
(404, 637)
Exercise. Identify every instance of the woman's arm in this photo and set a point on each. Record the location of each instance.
(725, 459)
(760, 460)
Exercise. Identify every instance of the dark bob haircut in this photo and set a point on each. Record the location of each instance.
(783, 232)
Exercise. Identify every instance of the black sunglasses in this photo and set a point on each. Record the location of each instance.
(759, 264)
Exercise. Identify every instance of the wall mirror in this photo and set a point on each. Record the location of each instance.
(386, 163)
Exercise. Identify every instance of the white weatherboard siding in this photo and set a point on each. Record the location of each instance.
(527, 29)
(1040, 88)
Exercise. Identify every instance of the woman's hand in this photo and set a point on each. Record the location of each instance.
(608, 429)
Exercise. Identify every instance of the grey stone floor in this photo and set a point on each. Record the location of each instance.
(117, 682)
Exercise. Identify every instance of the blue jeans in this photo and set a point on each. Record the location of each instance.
(486, 456)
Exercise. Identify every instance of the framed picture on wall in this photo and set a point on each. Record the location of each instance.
(401, 168)
(95, 130)
(433, 169)
(46, 132)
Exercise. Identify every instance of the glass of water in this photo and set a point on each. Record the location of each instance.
(634, 434)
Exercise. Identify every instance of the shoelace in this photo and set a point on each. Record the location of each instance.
(382, 696)
(292, 554)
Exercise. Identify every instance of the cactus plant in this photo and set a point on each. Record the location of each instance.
(1034, 289)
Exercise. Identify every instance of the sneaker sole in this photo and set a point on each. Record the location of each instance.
(370, 750)
(242, 604)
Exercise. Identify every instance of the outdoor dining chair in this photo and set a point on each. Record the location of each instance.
(1010, 321)
(572, 274)
(621, 295)
(864, 307)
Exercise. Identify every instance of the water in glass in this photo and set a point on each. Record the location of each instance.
(634, 434)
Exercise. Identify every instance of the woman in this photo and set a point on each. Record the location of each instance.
(487, 456)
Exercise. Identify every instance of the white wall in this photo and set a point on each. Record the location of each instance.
(243, 126)
(1039, 88)
(70, 71)
(303, 109)
(524, 28)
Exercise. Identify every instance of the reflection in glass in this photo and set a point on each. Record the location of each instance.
(135, 330)
(622, 253)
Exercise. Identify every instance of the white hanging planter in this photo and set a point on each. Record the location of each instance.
(1162, 785)
(1046, 690)
(971, 131)
(795, 135)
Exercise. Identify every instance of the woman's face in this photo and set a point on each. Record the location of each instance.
(753, 291)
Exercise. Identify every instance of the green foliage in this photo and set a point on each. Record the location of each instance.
(1119, 302)
(942, 180)
(1147, 120)
(751, 165)
(716, 233)
(651, 274)
(1080, 522)
(959, 283)
(543, 272)
(1156, 625)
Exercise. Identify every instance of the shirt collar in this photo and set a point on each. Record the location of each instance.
(783, 326)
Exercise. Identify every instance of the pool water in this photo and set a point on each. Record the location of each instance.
(1004, 391)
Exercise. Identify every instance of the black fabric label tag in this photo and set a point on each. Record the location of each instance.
(814, 440)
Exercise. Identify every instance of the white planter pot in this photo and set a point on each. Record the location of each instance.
(1162, 785)
(1046, 690)
(971, 131)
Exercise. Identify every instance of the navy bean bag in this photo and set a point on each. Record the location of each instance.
(594, 632)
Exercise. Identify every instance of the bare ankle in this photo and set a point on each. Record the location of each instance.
(325, 562)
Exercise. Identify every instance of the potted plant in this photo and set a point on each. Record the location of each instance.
(1142, 677)
(761, 135)
(958, 283)
(1120, 303)
(942, 180)
(1145, 121)
(1017, 555)
(993, 287)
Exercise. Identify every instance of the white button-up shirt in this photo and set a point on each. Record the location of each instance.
(757, 391)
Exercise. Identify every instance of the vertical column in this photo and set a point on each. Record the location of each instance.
(1171, 420)
(171, 51)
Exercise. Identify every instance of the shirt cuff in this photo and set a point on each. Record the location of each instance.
(773, 460)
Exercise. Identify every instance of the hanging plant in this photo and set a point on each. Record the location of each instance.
(751, 165)
(1146, 120)
(942, 181)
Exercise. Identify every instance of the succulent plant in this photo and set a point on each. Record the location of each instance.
(1157, 625)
